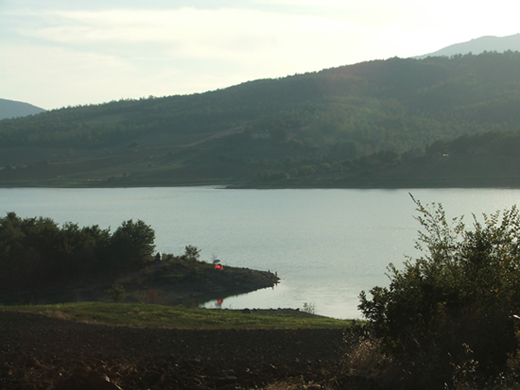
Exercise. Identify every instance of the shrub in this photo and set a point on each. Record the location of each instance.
(454, 304)
(117, 292)
(309, 308)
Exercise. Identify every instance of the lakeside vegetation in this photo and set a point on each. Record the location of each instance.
(481, 160)
(332, 128)
(449, 319)
(42, 262)
(37, 254)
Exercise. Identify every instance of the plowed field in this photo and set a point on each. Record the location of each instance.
(40, 352)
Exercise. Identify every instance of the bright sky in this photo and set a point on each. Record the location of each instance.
(57, 53)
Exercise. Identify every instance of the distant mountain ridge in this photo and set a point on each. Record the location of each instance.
(479, 45)
(14, 109)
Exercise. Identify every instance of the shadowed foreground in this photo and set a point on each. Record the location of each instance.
(40, 352)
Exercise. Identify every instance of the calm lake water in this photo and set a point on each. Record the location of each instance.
(325, 244)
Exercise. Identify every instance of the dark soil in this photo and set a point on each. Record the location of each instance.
(40, 352)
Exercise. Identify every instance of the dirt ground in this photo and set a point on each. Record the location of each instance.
(39, 352)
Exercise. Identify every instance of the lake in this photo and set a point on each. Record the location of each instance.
(326, 245)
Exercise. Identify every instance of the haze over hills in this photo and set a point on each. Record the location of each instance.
(479, 45)
(340, 126)
(14, 109)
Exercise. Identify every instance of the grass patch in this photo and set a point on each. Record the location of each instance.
(179, 317)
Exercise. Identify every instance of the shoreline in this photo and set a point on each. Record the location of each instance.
(409, 183)
(173, 282)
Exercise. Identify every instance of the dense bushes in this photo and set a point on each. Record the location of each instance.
(449, 313)
(36, 253)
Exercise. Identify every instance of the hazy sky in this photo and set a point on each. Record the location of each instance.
(56, 53)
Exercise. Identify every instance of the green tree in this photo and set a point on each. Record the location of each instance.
(192, 253)
(458, 297)
(132, 245)
(36, 253)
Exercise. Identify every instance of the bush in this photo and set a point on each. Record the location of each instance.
(454, 305)
(309, 308)
(117, 292)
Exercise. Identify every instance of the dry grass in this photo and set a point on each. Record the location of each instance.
(364, 356)
(56, 314)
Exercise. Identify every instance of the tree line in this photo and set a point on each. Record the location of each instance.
(346, 157)
(36, 253)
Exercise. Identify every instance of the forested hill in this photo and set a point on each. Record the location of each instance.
(231, 134)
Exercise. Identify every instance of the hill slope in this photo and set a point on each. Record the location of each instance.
(13, 109)
(479, 45)
(291, 126)
(479, 161)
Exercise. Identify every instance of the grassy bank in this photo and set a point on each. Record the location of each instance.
(180, 317)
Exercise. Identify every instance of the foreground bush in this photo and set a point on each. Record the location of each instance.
(446, 318)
